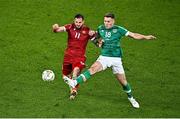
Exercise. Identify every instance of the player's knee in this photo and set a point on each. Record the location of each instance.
(92, 70)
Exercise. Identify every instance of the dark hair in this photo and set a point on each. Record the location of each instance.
(111, 15)
(79, 16)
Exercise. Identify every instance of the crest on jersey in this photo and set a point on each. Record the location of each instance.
(114, 30)
(83, 32)
(102, 30)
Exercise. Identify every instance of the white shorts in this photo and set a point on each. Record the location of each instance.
(114, 62)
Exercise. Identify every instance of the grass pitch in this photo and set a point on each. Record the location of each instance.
(28, 46)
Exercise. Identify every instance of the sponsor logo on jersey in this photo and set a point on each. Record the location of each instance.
(107, 39)
(114, 30)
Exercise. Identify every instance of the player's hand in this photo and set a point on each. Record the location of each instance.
(55, 27)
(150, 37)
(100, 42)
(91, 32)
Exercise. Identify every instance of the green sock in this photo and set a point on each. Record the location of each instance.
(127, 89)
(83, 77)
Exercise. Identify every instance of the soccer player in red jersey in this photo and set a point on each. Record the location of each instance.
(74, 56)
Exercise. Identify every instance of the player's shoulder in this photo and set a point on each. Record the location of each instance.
(101, 27)
(85, 27)
(68, 26)
(118, 27)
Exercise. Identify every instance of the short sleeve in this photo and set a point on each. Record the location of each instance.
(96, 35)
(67, 27)
(123, 31)
(98, 31)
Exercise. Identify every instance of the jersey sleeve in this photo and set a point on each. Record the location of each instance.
(98, 32)
(67, 27)
(123, 31)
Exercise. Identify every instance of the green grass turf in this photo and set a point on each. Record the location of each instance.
(28, 46)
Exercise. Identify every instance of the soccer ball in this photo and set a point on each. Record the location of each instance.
(48, 75)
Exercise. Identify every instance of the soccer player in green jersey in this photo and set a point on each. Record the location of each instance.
(111, 54)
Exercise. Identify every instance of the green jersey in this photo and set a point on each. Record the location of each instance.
(111, 37)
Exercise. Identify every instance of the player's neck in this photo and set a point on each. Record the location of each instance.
(109, 27)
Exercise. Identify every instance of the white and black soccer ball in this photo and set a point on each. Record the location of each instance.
(48, 75)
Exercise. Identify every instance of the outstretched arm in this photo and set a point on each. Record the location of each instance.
(96, 39)
(141, 36)
(57, 28)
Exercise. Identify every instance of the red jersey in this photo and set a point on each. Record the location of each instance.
(77, 40)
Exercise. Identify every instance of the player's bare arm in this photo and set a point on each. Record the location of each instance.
(100, 42)
(96, 39)
(141, 36)
(57, 28)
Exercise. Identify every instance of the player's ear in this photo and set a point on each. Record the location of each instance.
(113, 21)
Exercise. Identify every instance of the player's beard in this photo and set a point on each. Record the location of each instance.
(78, 27)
